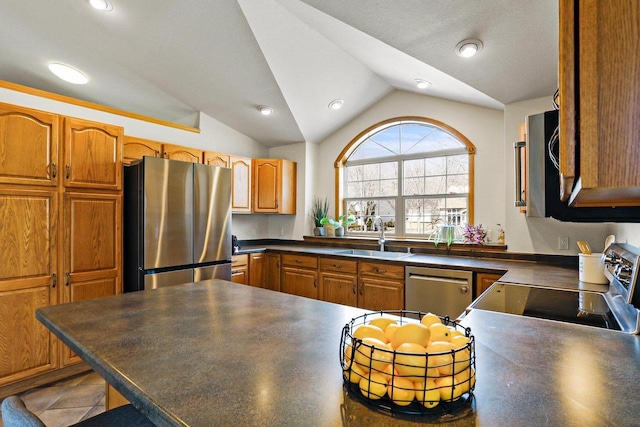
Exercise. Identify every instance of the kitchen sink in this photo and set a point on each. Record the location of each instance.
(374, 254)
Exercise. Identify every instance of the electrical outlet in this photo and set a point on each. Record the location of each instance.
(563, 243)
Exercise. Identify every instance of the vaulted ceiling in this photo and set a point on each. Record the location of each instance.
(171, 59)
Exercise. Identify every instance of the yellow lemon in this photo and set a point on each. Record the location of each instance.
(415, 333)
(401, 391)
(390, 330)
(372, 355)
(440, 332)
(356, 373)
(461, 360)
(459, 341)
(427, 393)
(389, 372)
(373, 386)
(456, 332)
(429, 319)
(465, 380)
(348, 354)
(440, 356)
(382, 322)
(370, 331)
(411, 361)
(447, 389)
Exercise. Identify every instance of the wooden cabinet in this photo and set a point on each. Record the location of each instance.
(272, 271)
(380, 286)
(256, 269)
(300, 275)
(28, 146)
(274, 186)
(61, 233)
(600, 128)
(136, 148)
(93, 249)
(339, 281)
(216, 159)
(241, 184)
(92, 155)
(178, 152)
(28, 281)
(483, 282)
(240, 269)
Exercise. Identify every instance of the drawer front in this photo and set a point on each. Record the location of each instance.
(338, 265)
(304, 261)
(239, 260)
(388, 271)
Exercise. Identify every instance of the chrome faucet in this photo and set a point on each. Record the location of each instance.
(379, 223)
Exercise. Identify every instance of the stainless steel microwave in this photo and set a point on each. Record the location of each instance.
(538, 179)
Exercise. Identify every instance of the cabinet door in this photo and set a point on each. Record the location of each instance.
(240, 269)
(93, 254)
(137, 148)
(256, 269)
(216, 159)
(28, 146)
(339, 288)
(241, 185)
(92, 155)
(28, 232)
(272, 271)
(484, 281)
(380, 294)
(178, 152)
(300, 281)
(266, 180)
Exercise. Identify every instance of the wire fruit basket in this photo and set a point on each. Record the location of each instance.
(393, 365)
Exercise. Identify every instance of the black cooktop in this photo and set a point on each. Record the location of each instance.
(579, 307)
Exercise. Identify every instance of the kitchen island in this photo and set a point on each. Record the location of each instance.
(218, 353)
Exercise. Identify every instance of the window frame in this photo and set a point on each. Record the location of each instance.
(341, 160)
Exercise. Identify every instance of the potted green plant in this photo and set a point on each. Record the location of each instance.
(319, 210)
(339, 224)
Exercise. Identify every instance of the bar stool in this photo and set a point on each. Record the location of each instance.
(15, 414)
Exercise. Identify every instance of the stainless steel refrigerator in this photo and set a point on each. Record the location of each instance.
(177, 223)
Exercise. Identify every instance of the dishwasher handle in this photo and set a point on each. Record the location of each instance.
(439, 279)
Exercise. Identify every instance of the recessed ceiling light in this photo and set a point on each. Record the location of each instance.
(68, 74)
(104, 5)
(336, 104)
(265, 110)
(468, 48)
(422, 84)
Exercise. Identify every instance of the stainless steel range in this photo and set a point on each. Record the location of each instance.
(617, 309)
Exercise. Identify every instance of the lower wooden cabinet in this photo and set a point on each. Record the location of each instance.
(256, 269)
(300, 275)
(272, 271)
(380, 286)
(483, 282)
(240, 269)
(339, 281)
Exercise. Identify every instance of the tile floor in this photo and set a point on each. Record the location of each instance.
(66, 402)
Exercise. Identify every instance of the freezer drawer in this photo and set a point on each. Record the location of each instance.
(218, 271)
(168, 278)
(439, 291)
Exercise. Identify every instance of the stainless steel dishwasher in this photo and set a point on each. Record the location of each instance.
(439, 291)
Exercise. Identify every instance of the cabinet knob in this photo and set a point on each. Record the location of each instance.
(68, 168)
(381, 271)
(298, 261)
(54, 169)
(337, 265)
(314, 283)
(54, 280)
(354, 288)
(67, 278)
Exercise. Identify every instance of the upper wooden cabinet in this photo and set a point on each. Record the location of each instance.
(274, 186)
(92, 155)
(178, 152)
(241, 184)
(28, 146)
(600, 128)
(136, 148)
(216, 159)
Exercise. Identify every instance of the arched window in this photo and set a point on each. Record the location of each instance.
(413, 172)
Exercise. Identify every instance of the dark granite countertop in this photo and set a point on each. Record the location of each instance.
(514, 271)
(219, 353)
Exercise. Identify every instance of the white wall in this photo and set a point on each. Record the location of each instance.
(482, 126)
(213, 136)
(627, 233)
(538, 235)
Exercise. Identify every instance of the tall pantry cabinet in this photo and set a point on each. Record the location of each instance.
(60, 228)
